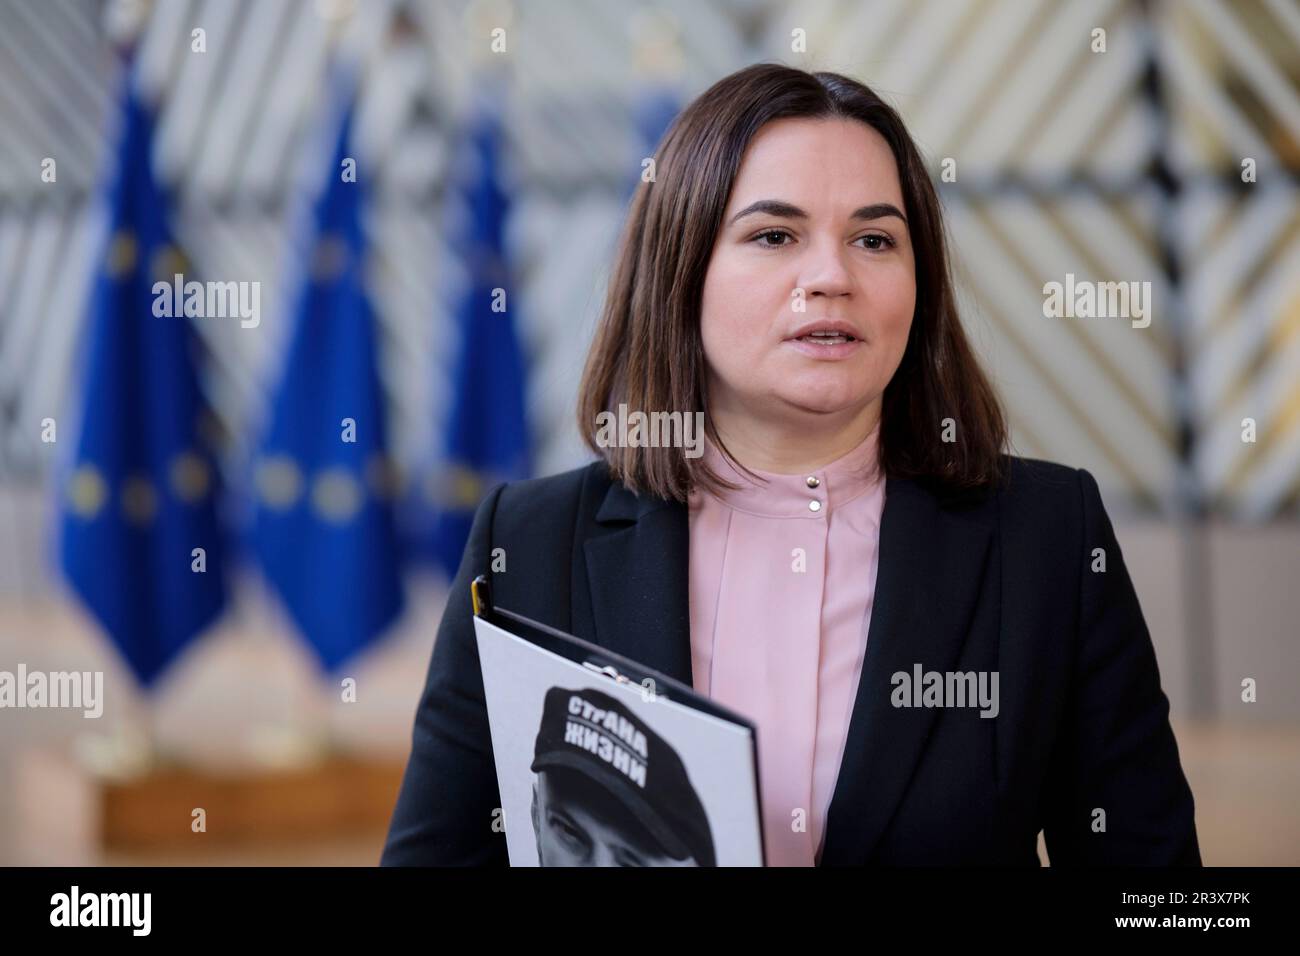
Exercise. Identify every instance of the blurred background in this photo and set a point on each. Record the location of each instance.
(496, 146)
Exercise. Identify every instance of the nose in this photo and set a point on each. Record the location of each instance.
(824, 270)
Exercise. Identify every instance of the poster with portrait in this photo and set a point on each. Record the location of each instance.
(594, 771)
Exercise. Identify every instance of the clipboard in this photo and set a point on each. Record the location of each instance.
(519, 655)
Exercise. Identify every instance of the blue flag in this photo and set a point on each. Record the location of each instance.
(654, 109)
(324, 528)
(138, 537)
(487, 434)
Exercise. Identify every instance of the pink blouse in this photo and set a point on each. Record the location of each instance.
(782, 578)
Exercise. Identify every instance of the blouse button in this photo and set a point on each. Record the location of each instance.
(813, 481)
(814, 505)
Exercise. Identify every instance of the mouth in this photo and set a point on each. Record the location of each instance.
(825, 338)
(826, 345)
(825, 333)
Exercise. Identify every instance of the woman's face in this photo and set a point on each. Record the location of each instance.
(813, 238)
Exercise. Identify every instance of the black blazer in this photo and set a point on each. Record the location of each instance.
(1000, 581)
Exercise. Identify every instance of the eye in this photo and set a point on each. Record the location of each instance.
(766, 233)
(568, 834)
(881, 241)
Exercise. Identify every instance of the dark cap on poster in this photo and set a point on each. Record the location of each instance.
(665, 803)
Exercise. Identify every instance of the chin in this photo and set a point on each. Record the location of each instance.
(823, 393)
(827, 403)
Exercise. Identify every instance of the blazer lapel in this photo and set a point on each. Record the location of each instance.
(638, 578)
(930, 573)
(931, 569)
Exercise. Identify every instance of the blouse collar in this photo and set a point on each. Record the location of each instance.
(814, 494)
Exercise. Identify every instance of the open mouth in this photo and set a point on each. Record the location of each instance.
(826, 338)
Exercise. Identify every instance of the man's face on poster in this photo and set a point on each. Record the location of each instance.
(579, 823)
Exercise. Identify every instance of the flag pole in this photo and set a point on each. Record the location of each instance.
(130, 748)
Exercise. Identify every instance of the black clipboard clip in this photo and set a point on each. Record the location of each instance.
(480, 596)
(480, 593)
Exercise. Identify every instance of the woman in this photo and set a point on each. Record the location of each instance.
(918, 623)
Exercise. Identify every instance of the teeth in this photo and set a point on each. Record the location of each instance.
(827, 338)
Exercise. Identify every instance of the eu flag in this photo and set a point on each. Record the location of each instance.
(487, 435)
(654, 109)
(138, 535)
(323, 522)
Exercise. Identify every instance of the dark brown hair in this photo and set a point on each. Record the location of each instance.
(648, 351)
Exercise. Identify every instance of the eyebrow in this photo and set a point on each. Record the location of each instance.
(785, 210)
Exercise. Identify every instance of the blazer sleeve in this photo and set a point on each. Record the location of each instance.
(1116, 750)
(448, 798)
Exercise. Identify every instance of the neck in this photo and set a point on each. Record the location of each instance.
(796, 446)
